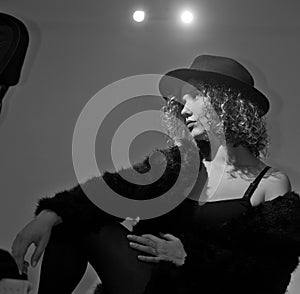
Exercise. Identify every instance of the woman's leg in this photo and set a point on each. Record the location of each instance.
(64, 262)
(115, 262)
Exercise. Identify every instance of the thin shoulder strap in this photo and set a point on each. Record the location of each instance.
(252, 187)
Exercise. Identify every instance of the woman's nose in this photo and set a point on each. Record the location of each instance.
(186, 112)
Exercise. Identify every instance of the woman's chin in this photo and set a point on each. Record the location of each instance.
(200, 136)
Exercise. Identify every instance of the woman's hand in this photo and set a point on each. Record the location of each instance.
(169, 248)
(36, 232)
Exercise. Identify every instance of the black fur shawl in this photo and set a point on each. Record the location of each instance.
(255, 253)
(77, 210)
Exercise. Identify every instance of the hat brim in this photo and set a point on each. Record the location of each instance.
(172, 82)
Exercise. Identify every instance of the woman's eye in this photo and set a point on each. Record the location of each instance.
(196, 96)
(175, 102)
(178, 105)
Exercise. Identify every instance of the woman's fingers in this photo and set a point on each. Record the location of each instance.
(149, 258)
(146, 249)
(18, 250)
(169, 249)
(141, 239)
(153, 238)
(38, 253)
(168, 237)
(40, 248)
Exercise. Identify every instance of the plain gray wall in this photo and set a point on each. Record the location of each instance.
(78, 47)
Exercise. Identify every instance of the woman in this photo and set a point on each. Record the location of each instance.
(215, 247)
(237, 160)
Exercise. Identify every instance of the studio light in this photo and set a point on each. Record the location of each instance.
(139, 15)
(187, 17)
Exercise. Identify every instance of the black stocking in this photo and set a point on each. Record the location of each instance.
(66, 257)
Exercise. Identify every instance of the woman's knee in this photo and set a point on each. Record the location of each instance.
(116, 262)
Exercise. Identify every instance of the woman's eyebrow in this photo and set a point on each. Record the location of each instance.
(180, 100)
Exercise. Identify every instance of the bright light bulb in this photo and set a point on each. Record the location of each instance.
(187, 17)
(139, 15)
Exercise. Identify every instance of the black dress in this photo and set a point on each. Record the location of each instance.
(195, 219)
(212, 213)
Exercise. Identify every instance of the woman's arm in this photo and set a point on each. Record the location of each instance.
(79, 213)
(71, 207)
(75, 209)
(36, 232)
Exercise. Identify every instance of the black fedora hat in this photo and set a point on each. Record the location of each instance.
(215, 70)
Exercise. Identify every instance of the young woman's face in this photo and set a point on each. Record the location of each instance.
(194, 111)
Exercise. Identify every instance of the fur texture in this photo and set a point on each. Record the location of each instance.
(255, 253)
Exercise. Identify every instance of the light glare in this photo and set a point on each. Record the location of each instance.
(187, 17)
(139, 15)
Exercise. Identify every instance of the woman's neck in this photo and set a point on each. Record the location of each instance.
(232, 156)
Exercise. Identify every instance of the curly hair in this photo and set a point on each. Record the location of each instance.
(239, 119)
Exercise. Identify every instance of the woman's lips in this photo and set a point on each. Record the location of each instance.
(190, 125)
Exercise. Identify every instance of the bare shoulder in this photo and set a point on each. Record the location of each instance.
(276, 183)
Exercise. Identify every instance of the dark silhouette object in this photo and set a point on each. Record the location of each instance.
(14, 40)
(8, 267)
